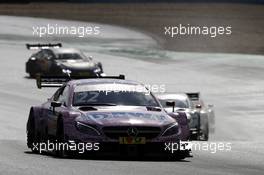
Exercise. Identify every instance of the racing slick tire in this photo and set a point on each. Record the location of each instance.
(32, 136)
(60, 137)
(181, 155)
(31, 75)
(100, 66)
(206, 134)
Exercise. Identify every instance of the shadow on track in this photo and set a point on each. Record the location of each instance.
(111, 158)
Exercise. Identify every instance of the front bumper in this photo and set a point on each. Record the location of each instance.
(108, 146)
(146, 150)
(82, 72)
(113, 145)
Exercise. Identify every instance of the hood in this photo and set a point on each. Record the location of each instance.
(125, 116)
(76, 64)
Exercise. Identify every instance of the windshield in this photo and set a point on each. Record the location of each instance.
(101, 98)
(178, 103)
(69, 56)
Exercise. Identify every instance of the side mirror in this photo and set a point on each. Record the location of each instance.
(198, 106)
(55, 104)
(172, 104)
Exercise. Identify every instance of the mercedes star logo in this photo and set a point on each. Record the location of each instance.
(132, 132)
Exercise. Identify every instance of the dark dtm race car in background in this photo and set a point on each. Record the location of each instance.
(200, 117)
(51, 59)
(109, 111)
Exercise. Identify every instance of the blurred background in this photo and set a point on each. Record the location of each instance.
(246, 17)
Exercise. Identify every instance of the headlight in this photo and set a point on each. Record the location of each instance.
(66, 71)
(87, 129)
(171, 130)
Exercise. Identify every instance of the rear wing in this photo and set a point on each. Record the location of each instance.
(43, 46)
(193, 96)
(58, 81)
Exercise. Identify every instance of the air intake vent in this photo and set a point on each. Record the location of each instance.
(114, 132)
(151, 108)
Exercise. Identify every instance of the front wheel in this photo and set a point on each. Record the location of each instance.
(180, 155)
(100, 66)
(60, 152)
(32, 75)
(206, 134)
(32, 139)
